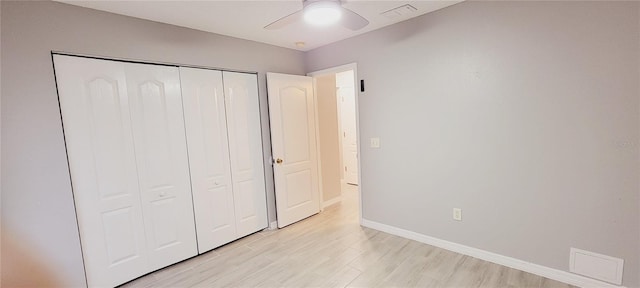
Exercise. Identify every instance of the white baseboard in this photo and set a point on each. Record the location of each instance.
(522, 265)
(330, 202)
(273, 225)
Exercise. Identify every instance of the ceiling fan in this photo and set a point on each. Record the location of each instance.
(322, 12)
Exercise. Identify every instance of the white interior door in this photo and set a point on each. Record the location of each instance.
(161, 155)
(245, 147)
(206, 127)
(97, 127)
(346, 96)
(293, 137)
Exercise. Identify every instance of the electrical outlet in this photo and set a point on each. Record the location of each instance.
(457, 214)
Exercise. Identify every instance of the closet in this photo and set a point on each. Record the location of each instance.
(166, 162)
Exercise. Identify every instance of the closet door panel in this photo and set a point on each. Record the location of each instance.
(245, 145)
(161, 155)
(97, 128)
(206, 127)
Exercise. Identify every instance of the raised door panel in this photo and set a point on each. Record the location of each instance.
(292, 112)
(161, 155)
(245, 146)
(206, 127)
(95, 111)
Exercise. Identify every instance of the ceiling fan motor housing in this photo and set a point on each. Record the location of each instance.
(306, 3)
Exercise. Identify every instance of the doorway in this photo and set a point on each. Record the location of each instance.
(314, 142)
(336, 106)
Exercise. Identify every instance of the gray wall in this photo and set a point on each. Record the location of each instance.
(523, 114)
(37, 205)
(329, 141)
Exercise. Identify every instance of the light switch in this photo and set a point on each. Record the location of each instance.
(375, 142)
(457, 214)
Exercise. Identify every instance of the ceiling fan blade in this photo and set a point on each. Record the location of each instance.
(353, 20)
(284, 21)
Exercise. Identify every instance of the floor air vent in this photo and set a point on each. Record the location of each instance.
(597, 266)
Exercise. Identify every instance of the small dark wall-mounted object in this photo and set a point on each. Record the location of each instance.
(362, 85)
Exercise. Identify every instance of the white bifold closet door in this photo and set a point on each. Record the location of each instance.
(206, 123)
(245, 147)
(125, 138)
(225, 153)
(163, 167)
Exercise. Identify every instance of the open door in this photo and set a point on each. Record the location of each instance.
(347, 103)
(293, 140)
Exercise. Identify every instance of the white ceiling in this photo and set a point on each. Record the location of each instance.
(246, 19)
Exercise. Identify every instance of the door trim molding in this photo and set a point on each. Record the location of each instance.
(138, 61)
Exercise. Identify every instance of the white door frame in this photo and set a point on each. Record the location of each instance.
(334, 70)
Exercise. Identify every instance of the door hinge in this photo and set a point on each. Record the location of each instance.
(345, 168)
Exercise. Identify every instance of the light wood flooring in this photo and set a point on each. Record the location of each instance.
(332, 250)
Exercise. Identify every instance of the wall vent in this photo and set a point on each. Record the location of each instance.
(596, 266)
(399, 12)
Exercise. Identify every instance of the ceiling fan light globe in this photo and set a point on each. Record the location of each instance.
(322, 13)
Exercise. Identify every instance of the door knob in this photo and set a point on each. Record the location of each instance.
(279, 161)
